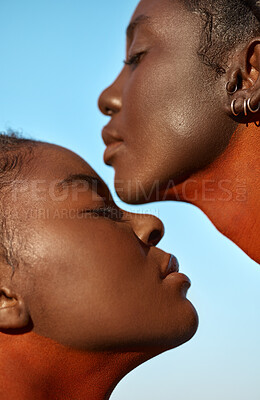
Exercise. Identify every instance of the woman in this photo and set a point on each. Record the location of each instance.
(85, 296)
(185, 110)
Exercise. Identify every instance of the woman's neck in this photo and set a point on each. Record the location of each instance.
(33, 367)
(228, 190)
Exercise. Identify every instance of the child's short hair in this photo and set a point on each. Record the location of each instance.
(15, 151)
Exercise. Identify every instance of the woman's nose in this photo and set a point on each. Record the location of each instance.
(110, 101)
(148, 228)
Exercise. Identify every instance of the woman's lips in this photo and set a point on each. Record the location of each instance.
(111, 150)
(112, 141)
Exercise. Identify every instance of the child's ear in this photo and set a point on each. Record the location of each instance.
(13, 310)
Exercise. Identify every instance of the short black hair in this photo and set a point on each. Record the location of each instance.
(15, 151)
(226, 23)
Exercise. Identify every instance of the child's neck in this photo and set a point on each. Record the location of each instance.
(33, 367)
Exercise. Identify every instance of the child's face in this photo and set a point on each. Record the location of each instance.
(92, 280)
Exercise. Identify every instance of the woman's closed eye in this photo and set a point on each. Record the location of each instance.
(135, 59)
(113, 213)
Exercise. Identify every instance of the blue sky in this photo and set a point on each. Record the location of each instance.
(57, 56)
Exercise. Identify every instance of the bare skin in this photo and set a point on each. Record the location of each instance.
(228, 191)
(172, 135)
(35, 367)
(90, 299)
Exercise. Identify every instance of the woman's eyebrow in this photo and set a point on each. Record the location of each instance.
(132, 26)
(74, 178)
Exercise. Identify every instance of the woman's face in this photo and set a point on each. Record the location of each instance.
(90, 274)
(166, 107)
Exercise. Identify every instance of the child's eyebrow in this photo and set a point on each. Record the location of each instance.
(94, 182)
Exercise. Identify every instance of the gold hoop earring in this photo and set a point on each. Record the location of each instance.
(249, 107)
(233, 108)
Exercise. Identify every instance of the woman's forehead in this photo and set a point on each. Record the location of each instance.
(164, 19)
(154, 8)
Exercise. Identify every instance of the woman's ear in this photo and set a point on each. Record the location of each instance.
(243, 83)
(13, 311)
